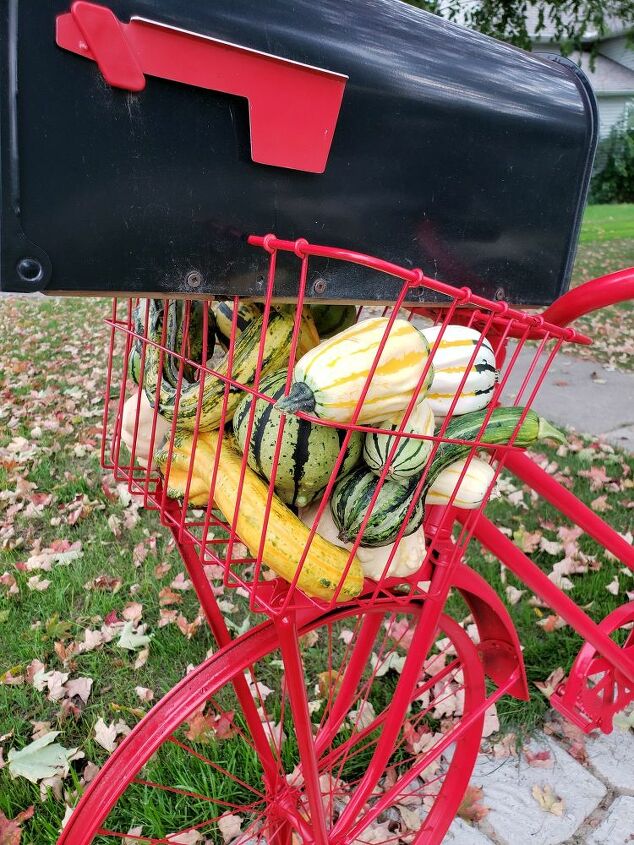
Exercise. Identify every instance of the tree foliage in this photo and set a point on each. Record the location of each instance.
(517, 21)
(614, 179)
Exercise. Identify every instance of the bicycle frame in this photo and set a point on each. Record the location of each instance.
(499, 654)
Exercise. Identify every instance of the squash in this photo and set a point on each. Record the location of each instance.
(143, 429)
(222, 310)
(309, 451)
(451, 360)
(277, 336)
(250, 311)
(174, 338)
(286, 535)
(349, 503)
(411, 454)
(351, 495)
(408, 557)
(472, 488)
(328, 380)
(331, 319)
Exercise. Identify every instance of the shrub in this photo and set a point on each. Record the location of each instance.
(613, 180)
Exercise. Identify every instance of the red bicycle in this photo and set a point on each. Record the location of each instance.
(312, 737)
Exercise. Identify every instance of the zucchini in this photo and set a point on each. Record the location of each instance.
(351, 495)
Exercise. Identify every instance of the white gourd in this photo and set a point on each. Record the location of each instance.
(451, 360)
(472, 489)
(329, 379)
(408, 557)
(144, 429)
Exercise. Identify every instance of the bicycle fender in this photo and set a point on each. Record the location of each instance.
(499, 644)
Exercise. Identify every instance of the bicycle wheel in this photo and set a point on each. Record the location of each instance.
(185, 777)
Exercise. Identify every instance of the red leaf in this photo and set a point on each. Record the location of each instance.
(10, 830)
(470, 809)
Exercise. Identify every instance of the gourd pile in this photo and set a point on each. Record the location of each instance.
(335, 356)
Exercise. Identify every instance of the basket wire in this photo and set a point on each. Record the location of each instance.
(199, 526)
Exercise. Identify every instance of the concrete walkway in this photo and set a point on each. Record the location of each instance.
(592, 802)
(583, 395)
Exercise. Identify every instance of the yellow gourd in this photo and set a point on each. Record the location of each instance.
(286, 535)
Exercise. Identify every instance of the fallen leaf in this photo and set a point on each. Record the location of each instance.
(513, 595)
(470, 808)
(230, 826)
(133, 833)
(80, 687)
(144, 694)
(187, 837)
(132, 612)
(42, 758)
(613, 587)
(551, 683)
(548, 800)
(539, 759)
(131, 639)
(10, 830)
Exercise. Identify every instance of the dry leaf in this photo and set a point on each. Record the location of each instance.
(230, 826)
(10, 830)
(470, 808)
(548, 800)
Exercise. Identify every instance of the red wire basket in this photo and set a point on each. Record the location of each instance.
(171, 395)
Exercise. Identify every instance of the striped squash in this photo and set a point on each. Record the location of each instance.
(277, 338)
(308, 452)
(349, 502)
(286, 538)
(408, 556)
(331, 319)
(223, 312)
(472, 489)
(351, 496)
(174, 338)
(451, 361)
(328, 380)
(250, 311)
(411, 454)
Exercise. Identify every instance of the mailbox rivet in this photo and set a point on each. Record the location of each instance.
(319, 286)
(194, 279)
(30, 270)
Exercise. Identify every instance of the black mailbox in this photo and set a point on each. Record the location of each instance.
(143, 140)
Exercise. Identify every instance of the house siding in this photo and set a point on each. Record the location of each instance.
(610, 112)
(619, 51)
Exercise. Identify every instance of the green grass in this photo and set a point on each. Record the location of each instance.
(608, 223)
(607, 245)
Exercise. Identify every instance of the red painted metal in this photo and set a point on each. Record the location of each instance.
(537, 581)
(499, 644)
(596, 690)
(224, 667)
(569, 505)
(599, 293)
(293, 108)
(206, 538)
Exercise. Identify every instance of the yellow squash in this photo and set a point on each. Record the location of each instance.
(286, 535)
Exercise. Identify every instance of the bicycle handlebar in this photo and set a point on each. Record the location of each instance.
(592, 296)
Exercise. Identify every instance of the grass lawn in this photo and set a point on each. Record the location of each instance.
(608, 223)
(77, 559)
(607, 245)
